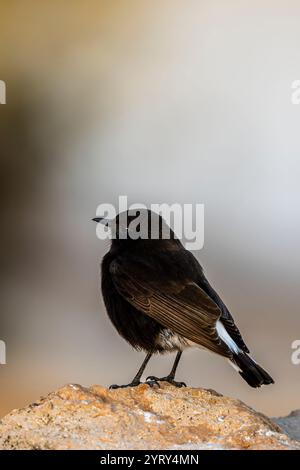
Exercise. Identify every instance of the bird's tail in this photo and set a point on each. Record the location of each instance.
(254, 374)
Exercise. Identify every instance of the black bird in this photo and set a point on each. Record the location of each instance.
(159, 300)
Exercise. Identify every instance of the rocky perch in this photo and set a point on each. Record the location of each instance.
(75, 417)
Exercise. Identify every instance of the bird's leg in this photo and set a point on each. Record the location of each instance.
(170, 378)
(136, 381)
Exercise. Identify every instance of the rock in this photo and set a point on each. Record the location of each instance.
(75, 417)
(290, 424)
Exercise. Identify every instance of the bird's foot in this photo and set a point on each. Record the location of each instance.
(168, 379)
(135, 383)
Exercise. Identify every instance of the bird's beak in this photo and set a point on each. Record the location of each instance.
(101, 220)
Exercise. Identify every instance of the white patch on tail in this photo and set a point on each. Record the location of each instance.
(224, 335)
(234, 366)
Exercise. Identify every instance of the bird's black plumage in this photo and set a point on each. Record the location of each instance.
(159, 300)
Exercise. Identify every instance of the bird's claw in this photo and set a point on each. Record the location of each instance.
(135, 383)
(176, 384)
(168, 379)
(152, 382)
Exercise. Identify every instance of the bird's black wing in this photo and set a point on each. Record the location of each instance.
(226, 316)
(177, 304)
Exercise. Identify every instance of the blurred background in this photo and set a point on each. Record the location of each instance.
(162, 101)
